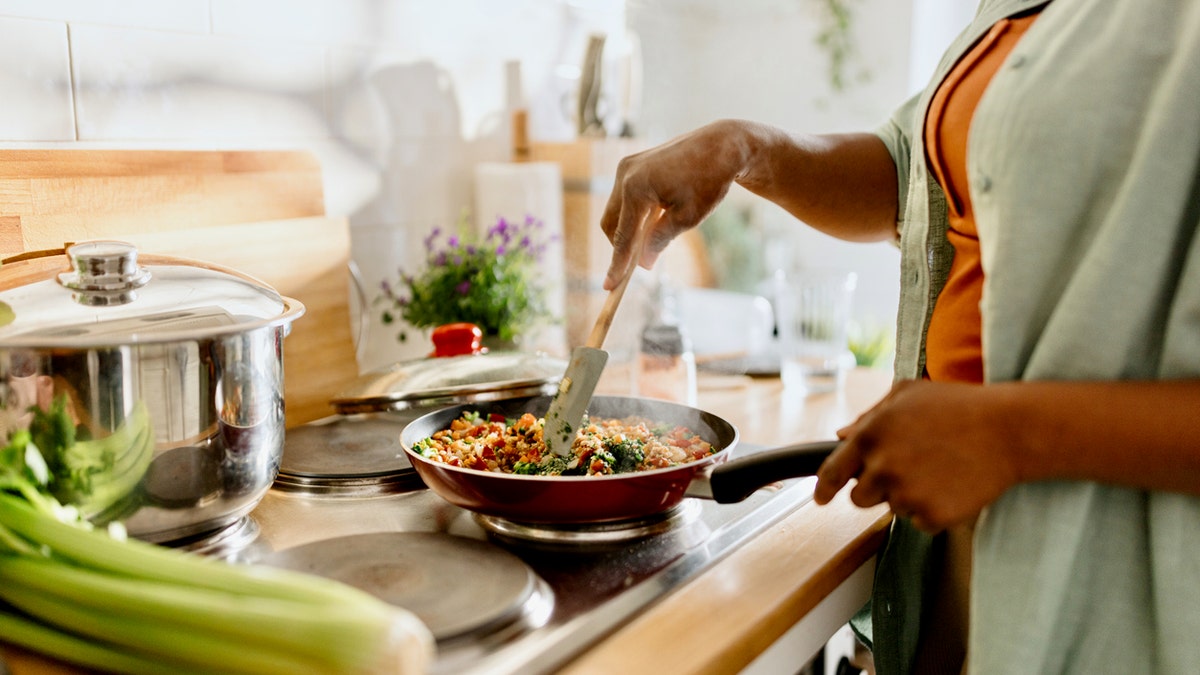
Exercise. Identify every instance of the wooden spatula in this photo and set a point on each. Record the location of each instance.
(587, 361)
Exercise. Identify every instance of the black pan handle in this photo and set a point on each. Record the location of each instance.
(737, 479)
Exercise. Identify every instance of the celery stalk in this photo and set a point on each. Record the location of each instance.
(164, 642)
(338, 636)
(30, 634)
(86, 586)
(156, 563)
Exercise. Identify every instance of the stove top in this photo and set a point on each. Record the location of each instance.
(499, 596)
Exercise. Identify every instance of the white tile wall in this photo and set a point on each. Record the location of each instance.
(352, 21)
(136, 84)
(35, 81)
(190, 16)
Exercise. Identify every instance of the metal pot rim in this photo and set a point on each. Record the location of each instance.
(104, 297)
(440, 381)
(293, 309)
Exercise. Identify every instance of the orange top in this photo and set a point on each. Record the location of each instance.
(953, 350)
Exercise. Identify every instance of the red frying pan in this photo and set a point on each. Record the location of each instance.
(594, 499)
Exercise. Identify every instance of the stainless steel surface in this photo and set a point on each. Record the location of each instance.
(181, 353)
(96, 294)
(419, 569)
(431, 383)
(348, 455)
(595, 583)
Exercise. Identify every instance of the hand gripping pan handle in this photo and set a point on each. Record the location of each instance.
(737, 479)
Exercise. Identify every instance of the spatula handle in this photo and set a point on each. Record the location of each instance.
(605, 319)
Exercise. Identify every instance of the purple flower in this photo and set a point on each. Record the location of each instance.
(463, 287)
(452, 242)
(431, 238)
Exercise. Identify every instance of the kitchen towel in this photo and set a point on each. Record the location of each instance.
(515, 190)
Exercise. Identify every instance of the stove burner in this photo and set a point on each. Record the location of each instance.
(458, 587)
(357, 455)
(592, 534)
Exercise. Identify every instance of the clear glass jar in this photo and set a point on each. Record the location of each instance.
(666, 364)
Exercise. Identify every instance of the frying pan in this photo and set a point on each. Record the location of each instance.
(595, 499)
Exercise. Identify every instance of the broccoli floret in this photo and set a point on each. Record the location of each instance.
(552, 465)
(548, 466)
(627, 454)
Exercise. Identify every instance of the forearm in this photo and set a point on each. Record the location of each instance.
(841, 184)
(940, 452)
(844, 185)
(1138, 434)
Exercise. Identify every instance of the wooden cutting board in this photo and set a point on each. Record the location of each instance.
(259, 212)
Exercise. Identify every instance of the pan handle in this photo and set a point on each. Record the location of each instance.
(737, 479)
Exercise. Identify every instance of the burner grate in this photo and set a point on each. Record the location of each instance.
(592, 535)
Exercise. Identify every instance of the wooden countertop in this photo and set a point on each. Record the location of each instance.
(733, 612)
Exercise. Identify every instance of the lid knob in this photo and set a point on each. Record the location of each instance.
(104, 273)
(457, 339)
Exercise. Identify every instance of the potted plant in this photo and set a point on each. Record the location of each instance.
(489, 280)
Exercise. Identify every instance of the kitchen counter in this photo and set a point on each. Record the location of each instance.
(775, 600)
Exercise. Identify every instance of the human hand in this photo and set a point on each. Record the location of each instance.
(935, 452)
(686, 177)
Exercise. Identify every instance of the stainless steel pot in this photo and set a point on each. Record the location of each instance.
(171, 372)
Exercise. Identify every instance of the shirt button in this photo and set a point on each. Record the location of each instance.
(1016, 61)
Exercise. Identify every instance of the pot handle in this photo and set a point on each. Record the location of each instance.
(30, 255)
(737, 479)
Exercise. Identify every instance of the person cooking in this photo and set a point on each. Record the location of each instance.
(1040, 446)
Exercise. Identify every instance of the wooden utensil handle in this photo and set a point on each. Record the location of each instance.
(605, 319)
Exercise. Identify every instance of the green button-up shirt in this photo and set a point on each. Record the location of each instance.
(1084, 170)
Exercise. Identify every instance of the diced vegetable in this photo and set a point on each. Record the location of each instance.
(627, 453)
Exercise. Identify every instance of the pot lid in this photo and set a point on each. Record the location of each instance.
(478, 375)
(97, 293)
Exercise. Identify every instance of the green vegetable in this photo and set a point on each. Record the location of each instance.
(550, 465)
(78, 594)
(7, 315)
(604, 456)
(627, 454)
(95, 476)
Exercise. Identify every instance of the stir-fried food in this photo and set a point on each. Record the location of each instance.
(602, 446)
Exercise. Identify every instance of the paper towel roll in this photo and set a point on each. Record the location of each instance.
(514, 190)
